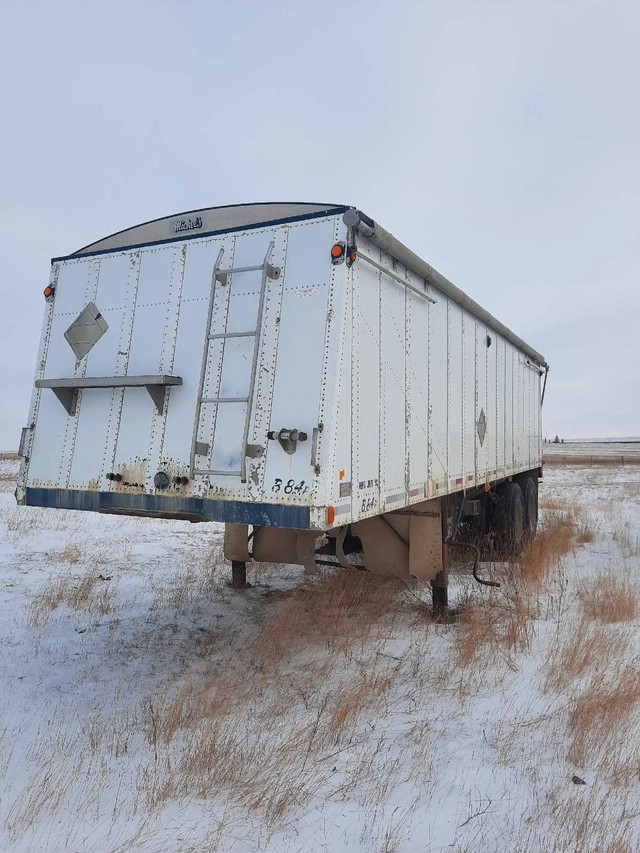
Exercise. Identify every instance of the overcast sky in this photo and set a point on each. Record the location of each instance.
(499, 140)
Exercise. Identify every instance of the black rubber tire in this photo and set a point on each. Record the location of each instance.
(530, 496)
(510, 519)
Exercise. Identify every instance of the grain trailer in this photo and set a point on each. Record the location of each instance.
(293, 371)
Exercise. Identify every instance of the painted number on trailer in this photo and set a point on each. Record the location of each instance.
(367, 504)
(290, 487)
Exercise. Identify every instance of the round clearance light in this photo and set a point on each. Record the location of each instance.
(338, 251)
(48, 291)
(161, 481)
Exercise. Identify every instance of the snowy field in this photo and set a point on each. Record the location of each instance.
(145, 706)
(616, 452)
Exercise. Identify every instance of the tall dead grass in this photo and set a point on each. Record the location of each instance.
(554, 539)
(502, 624)
(608, 599)
(263, 724)
(599, 712)
(77, 591)
(583, 650)
(336, 611)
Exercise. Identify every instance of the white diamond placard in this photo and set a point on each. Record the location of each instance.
(481, 426)
(86, 330)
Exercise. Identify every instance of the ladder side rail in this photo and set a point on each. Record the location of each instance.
(205, 356)
(254, 365)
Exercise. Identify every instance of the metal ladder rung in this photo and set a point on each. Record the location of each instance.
(221, 335)
(224, 399)
(271, 271)
(239, 269)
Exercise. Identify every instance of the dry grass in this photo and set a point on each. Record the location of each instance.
(71, 554)
(354, 697)
(584, 533)
(586, 820)
(330, 694)
(245, 737)
(200, 574)
(554, 539)
(625, 540)
(502, 625)
(494, 629)
(598, 714)
(608, 599)
(581, 651)
(337, 611)
(551, 504)
(258, 725)
(77, 591)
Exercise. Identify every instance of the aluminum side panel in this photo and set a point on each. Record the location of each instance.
(393, 413)
(500, 344)
(481, 397)
(469, 435)
(144, 357)
(455, 391)
(365, 383)
(438, 395)
(417, 393)
(196, 288)
(335, 484)
(48, 441)
(300, 358)
(508, 395)
(70, 298)
(517, 410)
(493, 437)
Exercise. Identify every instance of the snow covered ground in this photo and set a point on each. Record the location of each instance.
(145, 706)
(626, 452)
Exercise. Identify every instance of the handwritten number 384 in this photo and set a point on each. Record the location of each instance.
(289, 487)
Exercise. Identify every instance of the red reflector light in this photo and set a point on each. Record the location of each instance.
(331, 514)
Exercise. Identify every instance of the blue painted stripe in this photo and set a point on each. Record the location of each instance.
(196, 509)
(317, 215)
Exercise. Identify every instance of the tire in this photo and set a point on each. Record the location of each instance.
(530, 496)
(510, 519)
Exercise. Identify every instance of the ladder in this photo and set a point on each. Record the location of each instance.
(222, 278)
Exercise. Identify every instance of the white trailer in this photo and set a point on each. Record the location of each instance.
(291, 370)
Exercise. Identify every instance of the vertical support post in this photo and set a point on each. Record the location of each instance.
(440, 584)
(238, 574)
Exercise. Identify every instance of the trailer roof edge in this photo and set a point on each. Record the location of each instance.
(388, 243)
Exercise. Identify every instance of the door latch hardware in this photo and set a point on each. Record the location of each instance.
(288, 438)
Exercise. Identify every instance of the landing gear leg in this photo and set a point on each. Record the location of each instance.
(440, 584)
(439, 596)
(238, 574)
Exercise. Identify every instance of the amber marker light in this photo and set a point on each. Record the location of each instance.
(337, 251)
(331, 514)
(48, 291)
